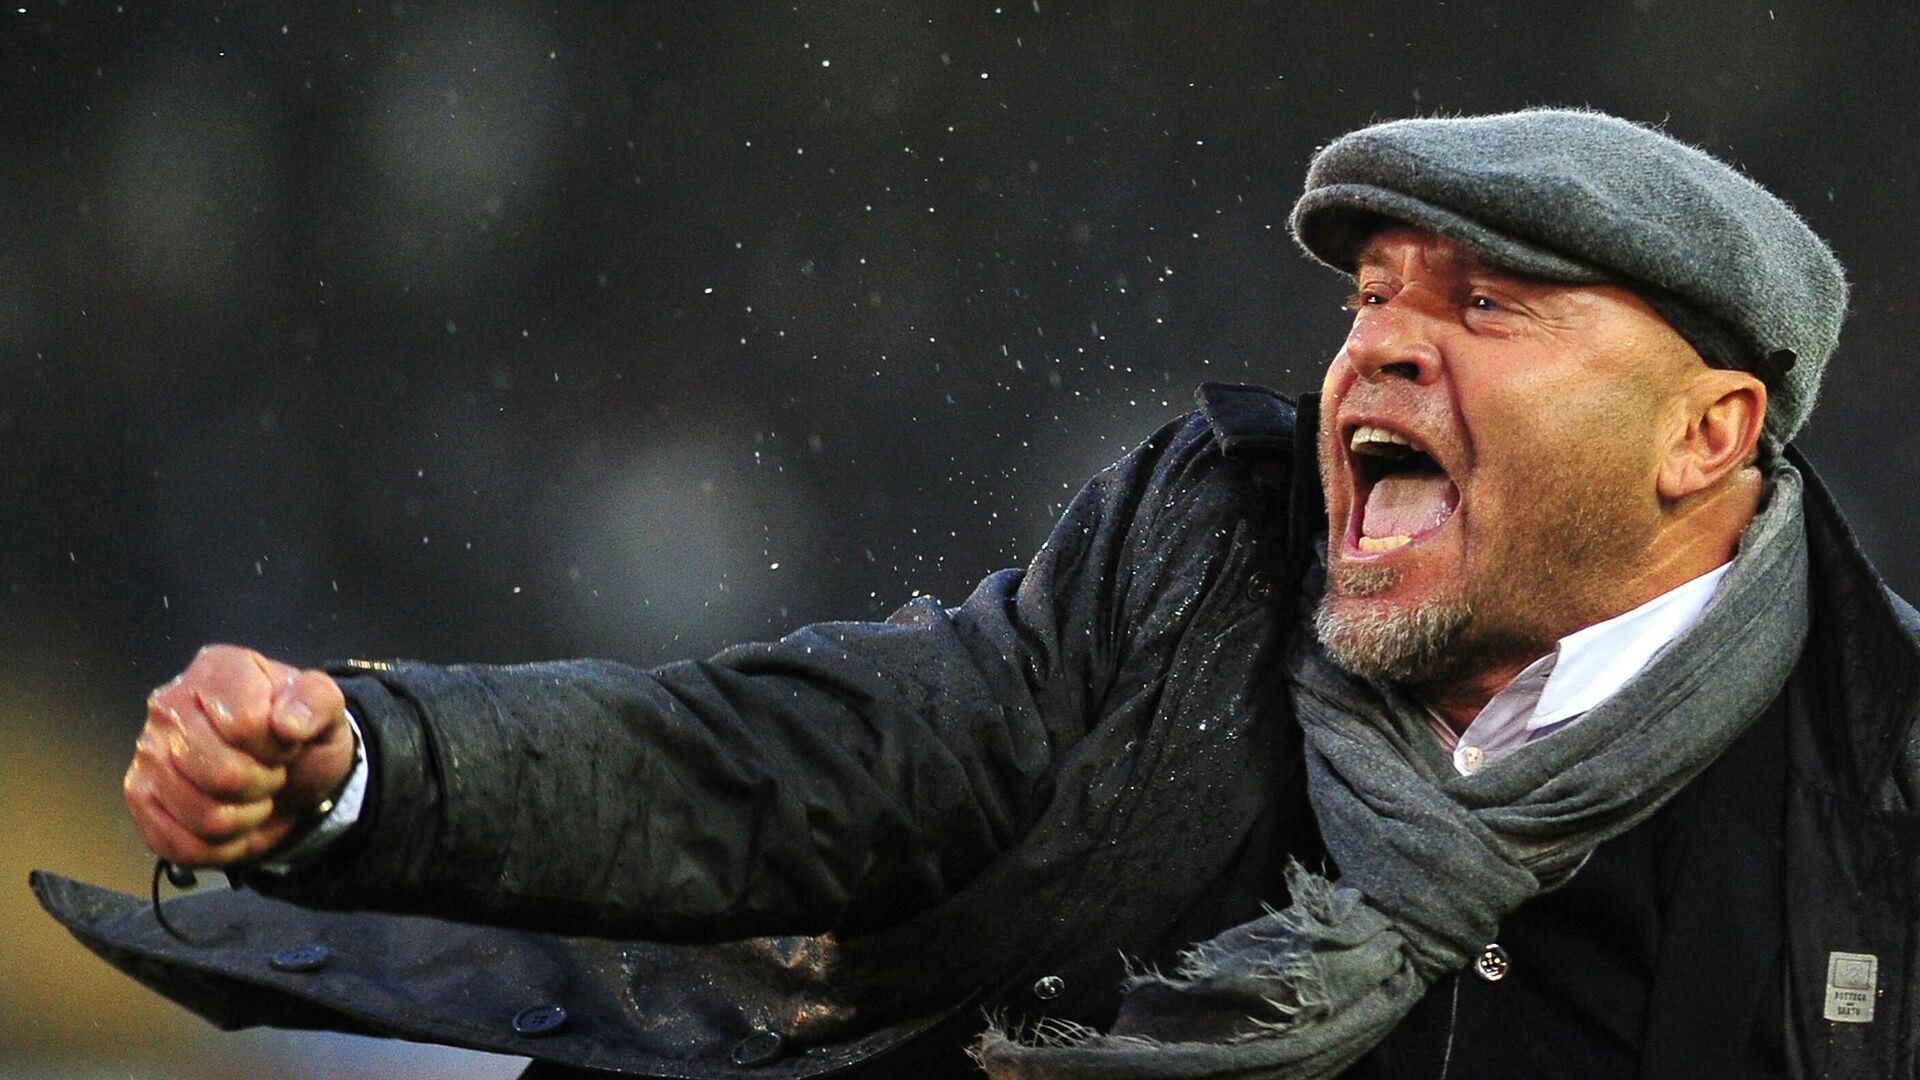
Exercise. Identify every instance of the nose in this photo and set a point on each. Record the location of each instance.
(1394, 340)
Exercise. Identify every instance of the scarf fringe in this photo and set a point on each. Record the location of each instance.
(1273, 950)
(1269, 969)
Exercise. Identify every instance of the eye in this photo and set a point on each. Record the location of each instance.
(1365, 298)
(1483, 302)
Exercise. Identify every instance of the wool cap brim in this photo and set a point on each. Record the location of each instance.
(1579, 196)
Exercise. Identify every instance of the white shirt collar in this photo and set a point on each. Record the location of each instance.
(1585, 668)
(1591, 664)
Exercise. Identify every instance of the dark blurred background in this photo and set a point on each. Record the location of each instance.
(498, 332)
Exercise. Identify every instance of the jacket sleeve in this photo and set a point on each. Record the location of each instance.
(841, 778)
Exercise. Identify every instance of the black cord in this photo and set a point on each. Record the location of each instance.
(181, 878)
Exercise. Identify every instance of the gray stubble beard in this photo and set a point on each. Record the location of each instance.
(1412, 647)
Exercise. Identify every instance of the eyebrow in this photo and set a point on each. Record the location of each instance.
(1368, 250)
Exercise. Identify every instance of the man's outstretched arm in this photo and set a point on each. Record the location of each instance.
(843, 777)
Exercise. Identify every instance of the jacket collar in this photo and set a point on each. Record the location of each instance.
(1272, 437)
(1863, 655)
(1250, 423)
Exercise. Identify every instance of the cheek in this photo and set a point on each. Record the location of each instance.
(1514, 415)
(1517, 456)
(1501, 388)
(1538, 470)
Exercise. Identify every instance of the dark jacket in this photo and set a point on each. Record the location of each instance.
(959, 811)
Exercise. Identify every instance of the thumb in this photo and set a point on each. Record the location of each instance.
(306, 707)
(294, 722)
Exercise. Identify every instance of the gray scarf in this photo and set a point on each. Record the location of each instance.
(1432, 861)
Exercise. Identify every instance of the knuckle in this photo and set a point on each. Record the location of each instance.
(156, 842)
(222, 822)
(140, 781)
(162, 834)
(164, 704)
(234, 726)
(213, 658)
(217, 819)
(226, 776)
(197, 819)
(148, 746)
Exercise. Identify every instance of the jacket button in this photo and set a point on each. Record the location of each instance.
(1048, 987)
(303, 958)
(1492, 963)
(1259, 585)
(539, 1020)
(763, 1047)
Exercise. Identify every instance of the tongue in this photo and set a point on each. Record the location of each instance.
(1407, 504)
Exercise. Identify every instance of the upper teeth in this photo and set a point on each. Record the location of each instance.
(1366, 435)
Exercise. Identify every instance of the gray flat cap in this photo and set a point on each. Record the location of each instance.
(1580, 196)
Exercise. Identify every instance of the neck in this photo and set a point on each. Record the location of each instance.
(1458, 701)
(1697, 535)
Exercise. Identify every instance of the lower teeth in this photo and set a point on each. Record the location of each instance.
(1384, 543)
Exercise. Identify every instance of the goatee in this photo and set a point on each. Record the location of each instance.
(1413, 646)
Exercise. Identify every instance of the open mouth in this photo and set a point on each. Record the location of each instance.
(1400, 493)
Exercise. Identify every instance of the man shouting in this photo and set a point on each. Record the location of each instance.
(1517, 706)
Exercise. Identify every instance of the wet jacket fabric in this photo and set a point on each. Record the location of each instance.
(838, 852)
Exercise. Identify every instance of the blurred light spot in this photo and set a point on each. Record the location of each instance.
(678, 539)
(462, 132)
(193, 177)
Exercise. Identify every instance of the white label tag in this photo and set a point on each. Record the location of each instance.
(1853, 980)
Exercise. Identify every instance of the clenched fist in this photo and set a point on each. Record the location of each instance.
(237, 752)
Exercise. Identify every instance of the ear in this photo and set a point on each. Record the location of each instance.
(1716, 433)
